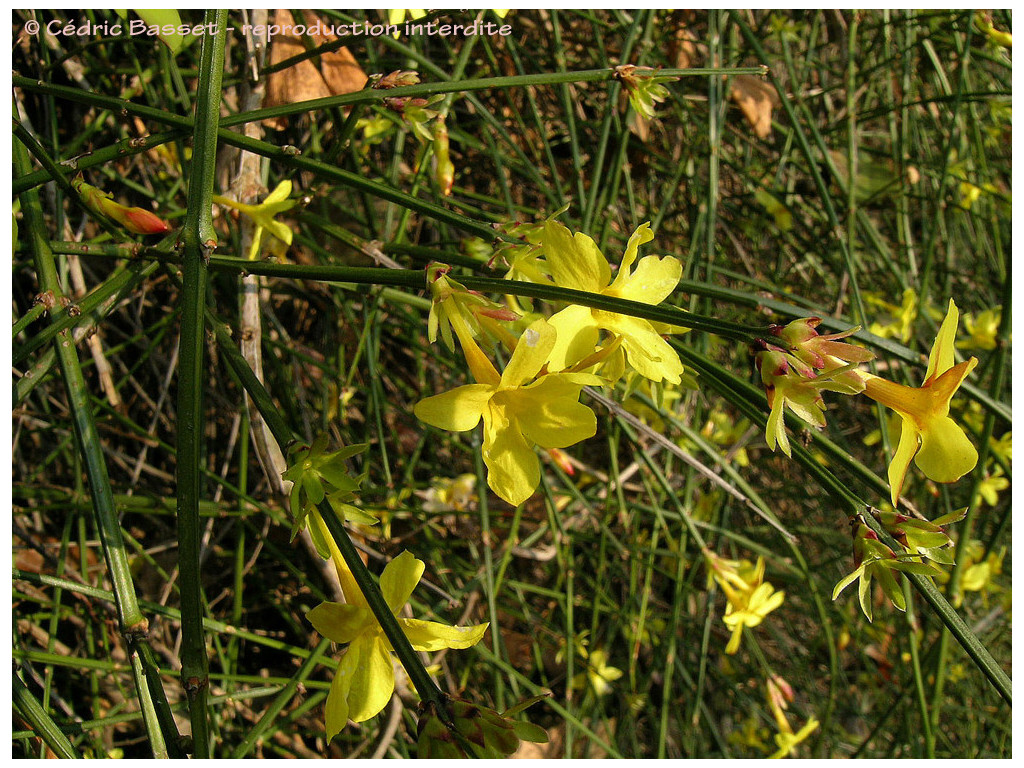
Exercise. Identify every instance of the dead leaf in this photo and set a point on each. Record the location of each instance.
(756, 99)
(682, 46)
(339, 72)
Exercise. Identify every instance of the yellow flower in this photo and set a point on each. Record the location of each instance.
(263, 215)
(450, 495)
(750, 597)
(904, 316)
(1003, 447)
(779, 694)
(990, 487)
(938, 445)
(365, 678)
(599, 673)
(982, 329)
(520, 408)
(576, 262)
(787, 741)
(979, 575)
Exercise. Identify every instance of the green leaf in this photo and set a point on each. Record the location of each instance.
(168, 21)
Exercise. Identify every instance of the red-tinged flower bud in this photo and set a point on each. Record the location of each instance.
(140, 221)
(561, 458)
(136, 220)
(395, 79)
(437, 269)
(772, 363)
(498, 313)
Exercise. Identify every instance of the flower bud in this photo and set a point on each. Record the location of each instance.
(444, 169)
(136, 220)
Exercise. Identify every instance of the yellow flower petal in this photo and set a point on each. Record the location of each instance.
(457, 410)
(575, 260)
(734, 640)
(641, 235)
(280, 193)
(513, 469)
(652, 281)
(279, 230)
(946, 453)
(577, 336)
(433, 636)
(340, 622)
(901, 459)
(530, 355)
(336, 709)
(399, 579)
(941, 358)
(551, 415)
(372, 673)
(649, 354)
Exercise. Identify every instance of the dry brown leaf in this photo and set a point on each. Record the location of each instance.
(682, 46)
(756, 98)
(339, 71)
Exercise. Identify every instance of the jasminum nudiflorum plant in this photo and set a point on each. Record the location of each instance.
(378, 517)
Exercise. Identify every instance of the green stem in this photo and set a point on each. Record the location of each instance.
(283, 699)
(199, 240)
(133, 625)
(41, 721)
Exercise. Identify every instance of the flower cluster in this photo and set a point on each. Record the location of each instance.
(426, 121)
(534, 401)
(797, 366)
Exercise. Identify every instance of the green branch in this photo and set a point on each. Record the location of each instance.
(199, 241)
